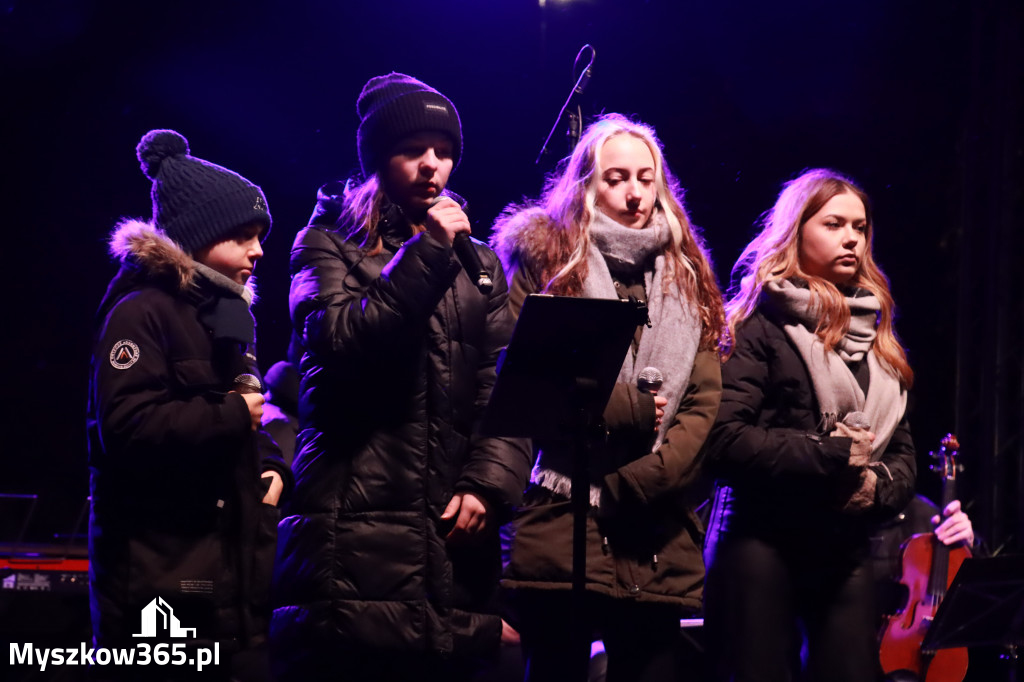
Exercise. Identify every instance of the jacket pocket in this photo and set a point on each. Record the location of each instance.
(360, 541)
(262, 570)
(190, 573)
(541, 544)
(264, 551)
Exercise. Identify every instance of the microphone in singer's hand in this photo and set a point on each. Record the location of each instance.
(857, 420)
(650, 379)
(248, 383)
(469, 258)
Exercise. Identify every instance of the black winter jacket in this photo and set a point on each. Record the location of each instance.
(779, 478)
(175, 465)
(399, 360)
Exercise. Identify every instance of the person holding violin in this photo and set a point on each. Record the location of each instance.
(904, 555)
(811, 448)
(953, 529)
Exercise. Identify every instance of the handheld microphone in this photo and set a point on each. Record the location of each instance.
(857, 420)
(247, 384)
(650, 379)
(466, 252)
(470, 260)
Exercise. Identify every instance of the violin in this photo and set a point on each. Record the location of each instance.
(928, 569)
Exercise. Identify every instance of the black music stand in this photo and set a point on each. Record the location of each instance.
(983, 607)
(554, 380)
(564, 357)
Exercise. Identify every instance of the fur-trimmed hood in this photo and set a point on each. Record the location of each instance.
(149, 257)
(524, 236)
(149, 248)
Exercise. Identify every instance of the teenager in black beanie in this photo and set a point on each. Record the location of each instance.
(395, 106)
(389, 556)
(183, 485)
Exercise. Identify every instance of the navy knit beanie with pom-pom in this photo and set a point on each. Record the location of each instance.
(195, 202)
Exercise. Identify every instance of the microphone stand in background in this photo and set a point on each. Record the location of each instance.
(575, 117)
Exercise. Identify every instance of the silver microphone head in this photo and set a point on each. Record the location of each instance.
(650, 379)
(857, 420)
(248, 383)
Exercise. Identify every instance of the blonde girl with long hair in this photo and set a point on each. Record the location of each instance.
(611, 224)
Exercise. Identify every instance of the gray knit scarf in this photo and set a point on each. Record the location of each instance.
(835, 386)
(220, 281)
(228, 316)
(671, 342)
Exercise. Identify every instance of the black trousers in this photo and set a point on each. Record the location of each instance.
(759, 598)
(642, 640)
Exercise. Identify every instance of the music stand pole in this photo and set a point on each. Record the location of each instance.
(554, 381)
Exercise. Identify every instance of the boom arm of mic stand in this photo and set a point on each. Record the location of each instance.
(575, 124)
(577, 88)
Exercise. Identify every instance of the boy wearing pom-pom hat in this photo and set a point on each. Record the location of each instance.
(184, 484)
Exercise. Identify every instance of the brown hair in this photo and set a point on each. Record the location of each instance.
(774, 254)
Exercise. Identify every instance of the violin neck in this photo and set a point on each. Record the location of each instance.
(939, 577)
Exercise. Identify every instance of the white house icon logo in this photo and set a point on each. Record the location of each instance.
(158, 614)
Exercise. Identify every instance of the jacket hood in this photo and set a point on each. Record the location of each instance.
(521, 233)
(392, 227)
(526, 237)
(148, 256)
(330, 201)
(150, 249)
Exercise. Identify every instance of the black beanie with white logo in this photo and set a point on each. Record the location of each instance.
(395, 106)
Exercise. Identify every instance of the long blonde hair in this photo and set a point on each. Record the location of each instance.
(774, 254)
(568, 200)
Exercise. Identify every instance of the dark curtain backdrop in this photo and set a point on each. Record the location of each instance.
(921, 102)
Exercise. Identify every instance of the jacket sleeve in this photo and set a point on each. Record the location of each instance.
(632, 410)
(137, 412)
(272, 459)
(334, 313)
(521, 283)
(740, 448)
(498, 467)
(897, 473)
(677, 462)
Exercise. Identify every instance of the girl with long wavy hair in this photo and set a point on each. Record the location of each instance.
(811, 447)
(611, 224)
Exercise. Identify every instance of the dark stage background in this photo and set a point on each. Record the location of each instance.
(919, 101)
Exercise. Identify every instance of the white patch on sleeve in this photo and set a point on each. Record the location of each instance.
(124, 354)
